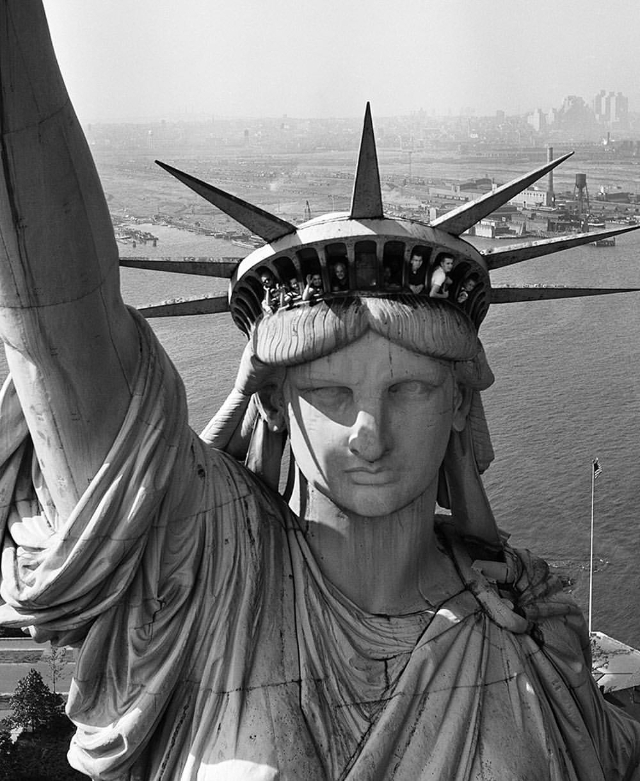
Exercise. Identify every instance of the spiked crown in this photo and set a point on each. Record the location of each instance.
(365, 253)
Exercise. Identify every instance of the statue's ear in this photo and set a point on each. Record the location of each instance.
(462, 396)
(271, 406)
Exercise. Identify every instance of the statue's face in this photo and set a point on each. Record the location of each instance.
(369, 424)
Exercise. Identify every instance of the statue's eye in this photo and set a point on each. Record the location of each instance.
(410, 388)
(329, 395)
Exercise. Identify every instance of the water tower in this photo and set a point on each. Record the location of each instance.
(581, 197)
(551, 198)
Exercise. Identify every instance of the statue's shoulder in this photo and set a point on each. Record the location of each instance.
(514, 586)
(505, 565)
(231, 482)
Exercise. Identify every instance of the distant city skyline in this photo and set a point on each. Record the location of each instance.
(150, 59)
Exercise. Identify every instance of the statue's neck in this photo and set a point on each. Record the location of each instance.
(389, 564)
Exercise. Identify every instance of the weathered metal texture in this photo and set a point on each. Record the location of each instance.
(205, 267)
(499, 257)
(209, 305)
(366, 202)
(513, 294)
(461, 219)
(257, 220)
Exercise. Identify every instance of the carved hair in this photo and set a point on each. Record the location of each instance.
(425, 326)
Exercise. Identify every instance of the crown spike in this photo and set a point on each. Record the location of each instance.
(461, 219)
(204, 267)
(257, 220)
(366, 202)
(510, 294)
(499, 257)
(209, 305)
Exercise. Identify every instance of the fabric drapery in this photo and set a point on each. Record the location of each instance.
(211, 647)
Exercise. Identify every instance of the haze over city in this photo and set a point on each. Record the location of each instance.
(153, 59)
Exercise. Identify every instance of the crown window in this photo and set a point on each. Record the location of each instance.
(287, 269)
(392, 259)
(338, 267)
(334, 252)
(417, 269)
(254, 289)
(313, 278)
(366, 262)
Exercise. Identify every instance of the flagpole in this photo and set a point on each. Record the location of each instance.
(593, 482)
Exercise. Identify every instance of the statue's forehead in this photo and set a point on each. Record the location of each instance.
(369, 354)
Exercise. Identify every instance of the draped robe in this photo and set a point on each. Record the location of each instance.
(211, 647)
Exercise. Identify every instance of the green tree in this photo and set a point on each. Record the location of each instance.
(40, 752)
(34, 706)
(56, 660)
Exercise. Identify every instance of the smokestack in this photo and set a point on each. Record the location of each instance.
(550, 196)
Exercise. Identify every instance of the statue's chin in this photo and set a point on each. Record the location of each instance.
(364, 501)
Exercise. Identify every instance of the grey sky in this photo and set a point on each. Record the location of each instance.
(126, 59)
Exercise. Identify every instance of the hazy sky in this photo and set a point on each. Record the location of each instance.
(127, 59)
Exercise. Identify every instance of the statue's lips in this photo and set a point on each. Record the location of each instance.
(370, 475)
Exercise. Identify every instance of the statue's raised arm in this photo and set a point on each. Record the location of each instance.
(71, 344)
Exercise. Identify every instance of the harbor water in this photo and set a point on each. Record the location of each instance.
(567, 390)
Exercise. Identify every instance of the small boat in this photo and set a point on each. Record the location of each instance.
(608, 242)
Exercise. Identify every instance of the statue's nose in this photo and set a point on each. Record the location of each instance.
(367, 438)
